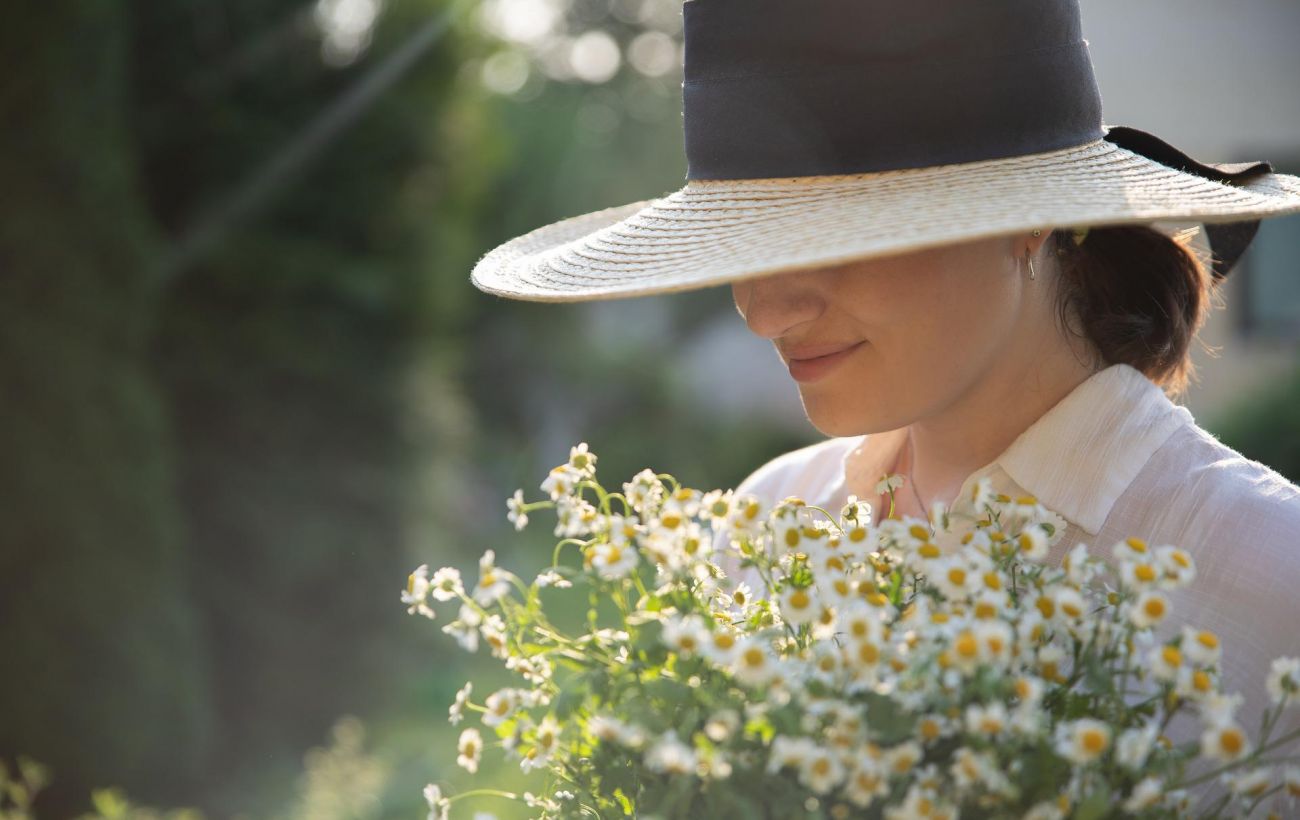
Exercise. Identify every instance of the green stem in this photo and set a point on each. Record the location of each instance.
(555, 555)
(482, 793)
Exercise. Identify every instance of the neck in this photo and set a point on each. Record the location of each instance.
(948, 447)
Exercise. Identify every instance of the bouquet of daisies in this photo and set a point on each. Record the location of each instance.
(894, 668)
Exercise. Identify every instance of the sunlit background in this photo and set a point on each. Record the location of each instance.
(247, 385)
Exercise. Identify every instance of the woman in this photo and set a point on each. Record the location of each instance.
(921, 208)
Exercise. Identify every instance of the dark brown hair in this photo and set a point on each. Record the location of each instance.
(1138, 295)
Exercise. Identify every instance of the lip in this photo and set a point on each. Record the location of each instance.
(813, 363)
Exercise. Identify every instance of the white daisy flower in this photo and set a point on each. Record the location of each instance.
(1132, 549)
(1082, 741)
(1283, 681)
(439, 806)
(1251, 783)
(721, 645)
(954, 577)
(546, 739)
(1134, 746)
(1201, 646)
(551, 578)
(799, 605)
(981, 493)
(515, 510)
(1149, 610)
(416, 594)
(717, 506)
(1225, 741)
(821, 771)
(855, 511)
(986, 720)
(1070, 605)
(469, 748)
(685, 636)
(465, 628)
(645, 492)
(866, 781)
(1032, 542)
(501, 706)
(492, 582)
(493, 629)
(561, 482)
(1080, 567)
(1165, 662)
(1220, 707)
(669, 755)
(582, 460)
(1146, 794)
(753, 664)
(1291, 782)
(1140, 574)
(456, 713)
(446, 584)
(1178, 567)
(613, 562)
(889, 483)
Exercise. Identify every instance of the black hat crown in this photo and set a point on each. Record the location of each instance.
(806, 87)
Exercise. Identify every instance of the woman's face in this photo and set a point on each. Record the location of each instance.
(906, 335)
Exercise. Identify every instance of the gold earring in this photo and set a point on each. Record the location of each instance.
(1030, 259)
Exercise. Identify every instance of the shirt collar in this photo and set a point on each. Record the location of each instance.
(1083, 453)
(1079, 456)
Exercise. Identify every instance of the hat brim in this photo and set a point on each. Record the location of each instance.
(711, 232)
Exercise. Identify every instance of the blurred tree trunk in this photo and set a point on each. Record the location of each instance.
(103, 666)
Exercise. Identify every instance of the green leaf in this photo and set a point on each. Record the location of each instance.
(1095, 805)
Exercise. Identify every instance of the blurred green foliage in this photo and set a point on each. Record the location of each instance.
(219, 464)
(1265, 426)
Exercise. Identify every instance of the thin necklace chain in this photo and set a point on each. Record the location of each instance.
(911, 463)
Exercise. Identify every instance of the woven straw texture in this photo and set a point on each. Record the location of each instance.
(717, 231)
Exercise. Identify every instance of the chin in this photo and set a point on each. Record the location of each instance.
(836, 419)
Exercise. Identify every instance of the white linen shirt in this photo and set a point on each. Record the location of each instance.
(1116, 458)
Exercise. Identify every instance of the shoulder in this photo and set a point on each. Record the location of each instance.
(1243, 514)
(1215, 473)
(804, 472)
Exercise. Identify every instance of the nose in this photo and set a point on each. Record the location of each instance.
(772, 306)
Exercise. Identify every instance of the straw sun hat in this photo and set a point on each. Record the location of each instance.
(823, 131)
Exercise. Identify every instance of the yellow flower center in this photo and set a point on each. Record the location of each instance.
(1208, 640)
(1171, 656)
(929, 550)
(1154, 608)
(957, 576)
(754, 656)
(1093, 741)
(1231, 741)
(1145, 573)
(724, 640)
(799, 599)
(792, 538)
(966, 645)
(1136, 544)
(918, 532)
